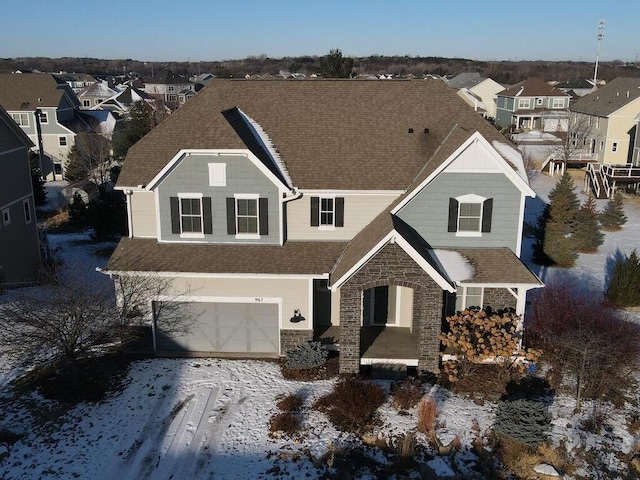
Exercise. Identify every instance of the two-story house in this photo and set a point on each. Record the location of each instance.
(482, 96)
(170, 88)
(339, 209)
(533, 104)
(19, 241)
(608, 131)
(45, 108)
(95, 94)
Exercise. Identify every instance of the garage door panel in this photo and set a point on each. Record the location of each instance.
(226, 328)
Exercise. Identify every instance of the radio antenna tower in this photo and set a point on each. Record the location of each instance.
(599, 36)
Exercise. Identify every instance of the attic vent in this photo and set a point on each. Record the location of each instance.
(627, 93)
(410, 130)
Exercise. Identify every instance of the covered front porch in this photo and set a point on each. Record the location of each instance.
(378, 344)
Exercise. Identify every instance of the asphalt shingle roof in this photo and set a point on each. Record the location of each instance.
(28, 91)
(331, 134)
(532, 87)
(610, 98)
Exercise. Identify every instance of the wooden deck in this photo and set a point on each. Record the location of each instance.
(377, 344)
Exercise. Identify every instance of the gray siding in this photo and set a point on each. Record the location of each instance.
(242, 177)
(15, 176)
(427, 212)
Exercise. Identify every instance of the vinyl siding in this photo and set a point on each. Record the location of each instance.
(191, 175)
(359, 210)
(143, 214)
(427, 212)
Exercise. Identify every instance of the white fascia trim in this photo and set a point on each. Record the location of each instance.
(476, 137)
(178, 157)
(343, 193)
(212, 299)
(13, 150)
(394, 236)
(228, 276)
(508, 286)
(520, 226)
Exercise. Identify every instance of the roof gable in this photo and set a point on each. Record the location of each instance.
(30, 91)
(608, 99)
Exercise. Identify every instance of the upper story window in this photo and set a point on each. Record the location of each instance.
(614, 147)
(327, 212)
(597, 122)
(21, 119)
(86, 103)
(470, 215)
(27, 212)
(172, 98)
(62, 141)
(191, 215)
(558, 103)
(217, 174)
(524, 103)
(247, 216)
(6, 216)
(44, 117)
(539, 101)
(171, 88)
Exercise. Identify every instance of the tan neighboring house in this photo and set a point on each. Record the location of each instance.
(610, 115)
(482, 97)
(45, 108)
(19, 241)
(171, 89)
(95, 94)
(355, 212)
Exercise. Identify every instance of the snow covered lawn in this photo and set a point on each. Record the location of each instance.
(209, 418)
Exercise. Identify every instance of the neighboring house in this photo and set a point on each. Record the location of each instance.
(610, 130)
(166, 86)
(19, 242)
(482, 96)
(96, 94)
(354, 211)
(123, 101)
(636, 148)
(79, 81)
(45, 108)
(465, 80)
(576, 88)
(533, 104)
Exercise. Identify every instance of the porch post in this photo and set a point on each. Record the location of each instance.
(427, 303)
(350, 313)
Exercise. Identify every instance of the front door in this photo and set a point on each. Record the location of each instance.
(376, 306)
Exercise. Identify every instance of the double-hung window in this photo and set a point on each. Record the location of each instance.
(327, 212)
(468, 297)
(558, 103)
(27, 212)
(191, 215)
(247, 216)
(524, 103)
(21, 119)
(470, 215)
(44, 118)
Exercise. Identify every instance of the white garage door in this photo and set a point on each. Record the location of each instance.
(225, 328)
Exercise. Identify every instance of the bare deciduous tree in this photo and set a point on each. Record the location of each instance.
(572, 145)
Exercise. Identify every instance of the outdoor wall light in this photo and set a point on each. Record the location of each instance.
(297, 316)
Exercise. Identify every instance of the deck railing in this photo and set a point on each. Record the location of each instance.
(593, 172)
(621, 171)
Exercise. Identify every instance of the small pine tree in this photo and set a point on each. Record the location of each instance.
(76, 169)
(587, 233)
(556, 224)
(525, 421)
(624, 287)
(613, 217)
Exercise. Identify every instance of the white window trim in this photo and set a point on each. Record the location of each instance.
(327, 227)
(26, 207)
(557, 103)
(539, 101)
(191, 196)
(522, 104)
(248, 196)
(614, 146)
(6, 216)
(60, 138)
(464, 295)
(22, 116)
(217, 174)
(44, 115)
(470, 198)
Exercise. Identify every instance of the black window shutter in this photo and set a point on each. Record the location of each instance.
(453, 215)
(315, 211)
(174, 202)
(339, 206)
(487, 212)
(231, 216)
(264, 216)
(207, 219)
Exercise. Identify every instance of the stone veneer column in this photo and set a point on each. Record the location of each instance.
(428, 304)
(350, 306)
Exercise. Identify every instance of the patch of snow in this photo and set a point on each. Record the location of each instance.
(456, 266)
(514, 156)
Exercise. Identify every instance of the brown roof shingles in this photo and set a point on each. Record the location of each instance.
(294, 258)
(497, 265)
(610, 98)
(331, 134)
(28, 91)
(532, 87)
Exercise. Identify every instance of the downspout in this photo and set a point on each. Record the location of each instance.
(128, 193)
(36, 113)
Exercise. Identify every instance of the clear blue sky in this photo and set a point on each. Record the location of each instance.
(200, 30)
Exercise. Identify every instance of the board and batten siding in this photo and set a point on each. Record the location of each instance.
(143, 214)
(359, 211)
(191, 175)
(428, 211)
(294, 294)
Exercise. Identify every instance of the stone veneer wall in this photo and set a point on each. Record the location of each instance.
(289, 339)
(499, 298)
(391, 266)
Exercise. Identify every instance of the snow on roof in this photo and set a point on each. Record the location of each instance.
(514, 156)
(456, 266)
(269, 146)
